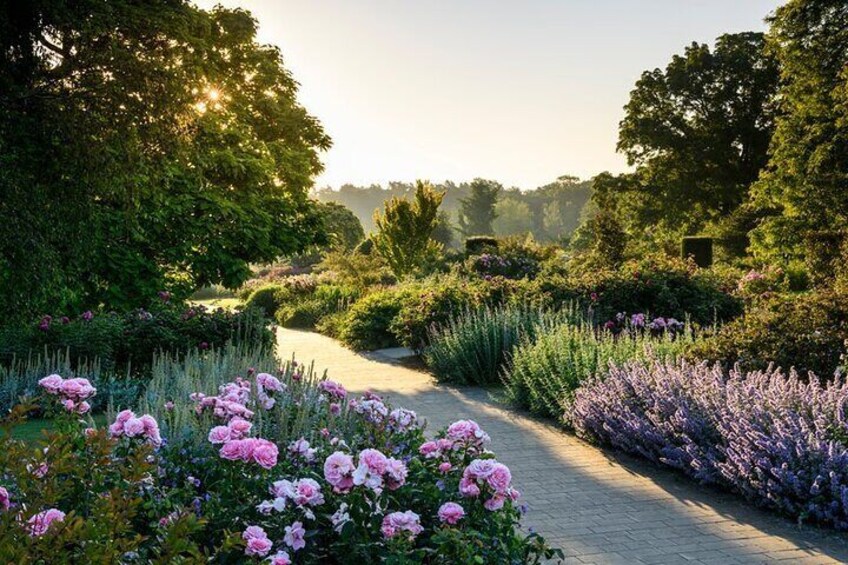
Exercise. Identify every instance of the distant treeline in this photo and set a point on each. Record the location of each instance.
(549, 213)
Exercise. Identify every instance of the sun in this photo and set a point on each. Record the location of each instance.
(213, 94)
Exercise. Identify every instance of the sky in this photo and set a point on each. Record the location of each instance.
(518, 91)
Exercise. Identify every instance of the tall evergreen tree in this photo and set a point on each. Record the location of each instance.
(477, 211)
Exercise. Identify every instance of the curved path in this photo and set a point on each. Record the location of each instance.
(599, 507)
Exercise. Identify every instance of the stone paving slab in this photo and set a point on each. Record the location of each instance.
(599, 507)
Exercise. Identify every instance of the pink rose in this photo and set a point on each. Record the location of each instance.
(51, 383)
(280, 558)
(4, 499)
(500, 478)
(295, 536)
(468, 488)
(451, 513)
(68, 405)
(40, 523)
(77, 389)
(219, 434)
(396, 472)
(398, 522)
(239, 427)
(258, 546)
(124, 415)
(231, 450)
(445, 467)
(133, 427)
(83, 407)
(252, 532)
(338, 471)
(495, 503)
(265, 453)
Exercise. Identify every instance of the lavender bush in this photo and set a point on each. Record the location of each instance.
(780, 441)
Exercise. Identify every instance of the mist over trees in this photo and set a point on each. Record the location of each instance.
(550, 213)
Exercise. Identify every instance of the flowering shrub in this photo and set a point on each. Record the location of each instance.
(780, 441)
(276, 467)
(129, 341)
(488, 266)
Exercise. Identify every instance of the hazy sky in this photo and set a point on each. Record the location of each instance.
(520, 91)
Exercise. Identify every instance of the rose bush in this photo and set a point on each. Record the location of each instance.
(278, 467)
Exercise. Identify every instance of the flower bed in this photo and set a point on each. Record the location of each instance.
(780, 441)
(279, 467)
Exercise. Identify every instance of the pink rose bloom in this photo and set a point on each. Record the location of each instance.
(403, 419)
(307, 493)
(372, 466)
(68, 405)
(451, 513)
(445, 467)
(116, 429)
(259, 547)
(39, 524)
(338, 471)
(399, 522)
(51, 383)
(239, 427)
(480, 468)
(467, 431)
(335, 408)
(495, 503)
(265, 453)
(301, 448)
(396, 472)
(252, 532)
(219, 434)
(500, 478)
(231, 450)
(280, 558)
(468, 488)
(294, 537)
(133, 427)
(83, 407)
(77, 389)
(151, 429)
(124, 415)
(4, 499)
(429, 449)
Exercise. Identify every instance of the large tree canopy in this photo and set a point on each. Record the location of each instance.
(144, 145)
(806, 184)
(698, 133)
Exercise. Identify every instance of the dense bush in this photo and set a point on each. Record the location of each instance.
(307, 311)
(473, 347)
(367, 324)
(659, 285)
(129, 340)
(265, 467)
(544, 373)
(806, 331)
(780, 441)
(266, 299)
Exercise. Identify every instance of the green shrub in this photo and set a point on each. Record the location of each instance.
(307, 311)
(543, 374)
(367, 323)
(806, 331)
(472, 348)
(699, 249)
(477, 244)
(266, 299)
(663, 286)
(128, 341)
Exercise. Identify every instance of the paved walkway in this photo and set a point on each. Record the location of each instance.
(599, 507)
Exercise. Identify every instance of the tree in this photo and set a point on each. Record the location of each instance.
(144, 146)
(805, 187)
(477, 211)
(443, 232)
(698, 133)
(405, 229)
(512, 217)
(343, 228)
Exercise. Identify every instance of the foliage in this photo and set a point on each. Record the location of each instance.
(544, 374)
(697, 132)
(779, 440)
(360, 270)
(203, 495)
(146, 146)
(367, 324)
(405, 228)
(306, 312)
(473, 347)
(477, 211)
(803, 188)
(266, 299)
(343, 228)
(805, 331)
(127, 342)
(443, 231)
(512, 217)
(657, 284)
(478, 244)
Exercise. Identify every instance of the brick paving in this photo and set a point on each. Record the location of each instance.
(598, 506)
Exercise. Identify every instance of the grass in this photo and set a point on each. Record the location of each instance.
(31, 430)
(213, 303)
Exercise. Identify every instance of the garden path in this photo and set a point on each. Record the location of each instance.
(598, 506)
